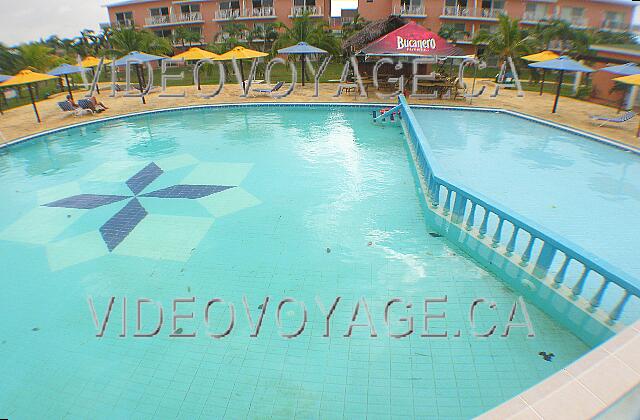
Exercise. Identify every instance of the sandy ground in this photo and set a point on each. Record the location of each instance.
(19, 122)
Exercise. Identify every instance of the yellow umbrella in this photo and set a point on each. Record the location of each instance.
(91, 62)
(195, 54)
(27, 77)
(241, 53)
(541, 56)
(634, 80)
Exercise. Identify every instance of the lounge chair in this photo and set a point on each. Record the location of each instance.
(270, 91)
(88, 105)
(618, 120)
(75, 111)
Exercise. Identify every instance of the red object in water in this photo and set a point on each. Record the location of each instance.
(410, 40)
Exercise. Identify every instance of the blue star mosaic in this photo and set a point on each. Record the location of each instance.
(116, 229)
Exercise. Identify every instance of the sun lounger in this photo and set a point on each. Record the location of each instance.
(75, 111)
(618, 120)
(269, 91)
(89, 106)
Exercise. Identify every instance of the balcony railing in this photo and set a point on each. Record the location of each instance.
(259, 12)
(173, 19)
(577, 21)
(226, 14)
(613, 25)
(127, 23)
(535, 17)
(472, 12)
(409, 10)
(297, 11)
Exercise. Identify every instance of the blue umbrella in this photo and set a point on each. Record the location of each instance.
(137, 58)
(628, 69)
(65, 70)
(302, 49)
(561, 64)
(4, 77)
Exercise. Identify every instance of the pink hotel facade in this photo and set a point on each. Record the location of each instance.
(208, 17)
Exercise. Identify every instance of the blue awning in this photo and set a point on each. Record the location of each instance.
(302, 48)
(563, 63)
(628, 69)
(65, 69)
(136, 57)
(4, 77)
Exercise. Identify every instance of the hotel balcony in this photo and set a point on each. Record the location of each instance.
(409, 10)
(577, 22)
(194, 17)
(313, 11)
(252, 13)
(535, 17)
(457, 12)
(617, 26)
(127, 23)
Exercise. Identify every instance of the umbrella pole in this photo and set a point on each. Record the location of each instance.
(302, 61)
(33, 102)
(555, 104)
(199, 88)
(66, 77)
(93, 71)
(544, 72)
(140, 83)
(242, 75)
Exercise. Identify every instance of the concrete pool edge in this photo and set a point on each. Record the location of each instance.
(585, 388)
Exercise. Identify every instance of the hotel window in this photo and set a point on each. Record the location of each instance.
(572, 13)
(164, 33)
(189, 8)
(304, 2)
(124, 18)
(411, 3)
(257, 4)
(492, 29)
(159, 11)
(537, 11)
(456, 3)
(493, 4)
(226, 5)
(614, 17)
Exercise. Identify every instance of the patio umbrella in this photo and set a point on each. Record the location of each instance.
(561, 64)
(540, 57)
(302, 49)
(91, 62)
(627, 69)
(138, 58)
(28, 77)
(3, 77)
(241, 53)
(195, 54)
(65, 70)
(633, 80)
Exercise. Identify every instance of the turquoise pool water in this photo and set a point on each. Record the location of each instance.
(586, 191)
(308, 203)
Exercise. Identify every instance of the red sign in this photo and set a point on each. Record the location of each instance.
(410, 40)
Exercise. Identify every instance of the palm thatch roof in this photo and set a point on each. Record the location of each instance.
(371, 32)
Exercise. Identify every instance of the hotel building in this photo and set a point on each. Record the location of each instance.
(208, 17)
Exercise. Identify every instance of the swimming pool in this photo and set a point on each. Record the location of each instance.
(311, 203)
(586, 191)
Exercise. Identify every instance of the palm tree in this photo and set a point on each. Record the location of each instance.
(569, 41)
(451, 33)
(9, 60)
(508, 41)
(37, 55)
(306, 29)
(353, 27)
(126, 40)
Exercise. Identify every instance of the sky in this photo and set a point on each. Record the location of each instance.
(30, 20)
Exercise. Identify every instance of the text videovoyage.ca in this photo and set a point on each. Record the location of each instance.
(401, 317)
(350, 77)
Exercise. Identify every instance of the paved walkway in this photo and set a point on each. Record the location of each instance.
(19, 122)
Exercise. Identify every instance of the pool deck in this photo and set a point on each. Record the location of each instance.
(20, 122)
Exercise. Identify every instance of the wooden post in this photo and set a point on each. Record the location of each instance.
(33, 102)
(555, 104)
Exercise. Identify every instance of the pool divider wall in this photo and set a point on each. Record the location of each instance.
(532, 280)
